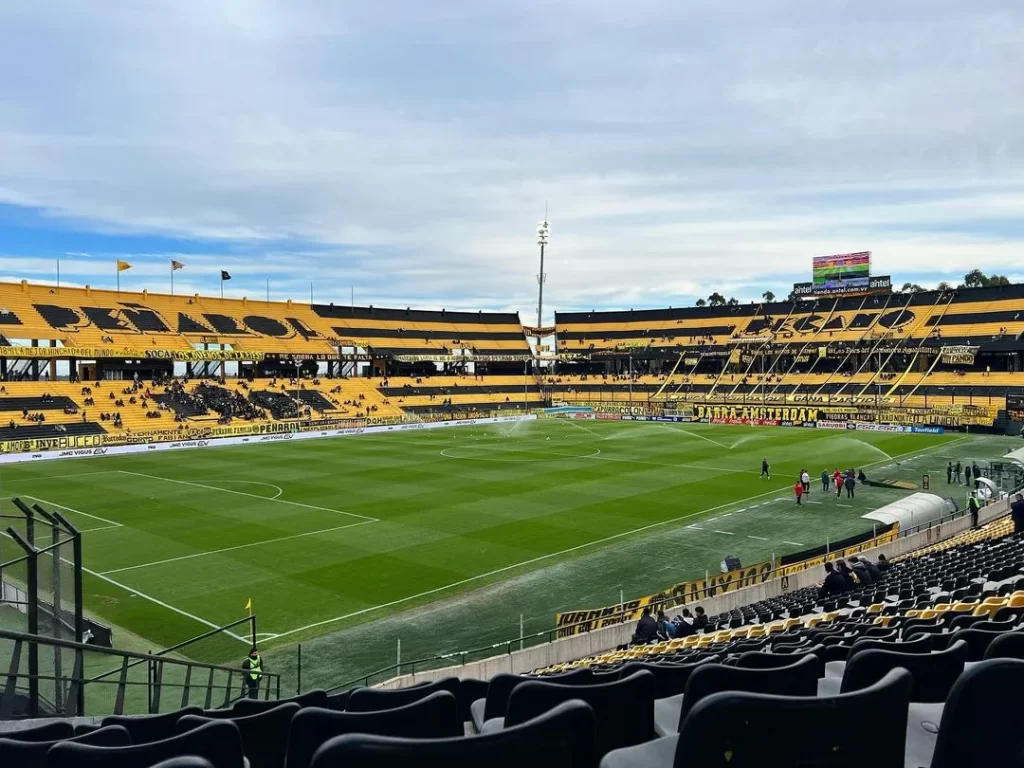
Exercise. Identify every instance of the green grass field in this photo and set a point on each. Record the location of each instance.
(349, 545)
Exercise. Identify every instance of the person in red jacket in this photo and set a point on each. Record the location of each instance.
(837, 478)
(798, 489)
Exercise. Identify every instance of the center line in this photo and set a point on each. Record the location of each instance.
(759, 538)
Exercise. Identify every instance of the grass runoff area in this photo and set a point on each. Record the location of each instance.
(444, 538)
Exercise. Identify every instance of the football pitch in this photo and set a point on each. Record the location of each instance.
(350, 544)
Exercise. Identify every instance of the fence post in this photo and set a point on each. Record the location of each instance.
(298, 672)
(520, 631)
(398, 661)
(826, 546)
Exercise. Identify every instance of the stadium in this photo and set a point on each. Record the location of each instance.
(313, 454)
(379, 496)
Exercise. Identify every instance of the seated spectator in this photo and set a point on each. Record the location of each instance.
(883, 563)
(834, 584)
(646, 629)
(700, 619)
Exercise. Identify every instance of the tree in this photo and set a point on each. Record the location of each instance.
(975, 279)
(701, 303)
(768, 296)
(978, 279)
(716, 300)
(732, 302)
(944, 286)
(911, 288)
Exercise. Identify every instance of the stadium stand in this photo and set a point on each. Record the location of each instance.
(917, 658)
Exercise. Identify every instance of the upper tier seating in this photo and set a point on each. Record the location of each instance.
(84, 317)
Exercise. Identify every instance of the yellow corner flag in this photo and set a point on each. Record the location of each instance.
(248, 605)
(123, 265)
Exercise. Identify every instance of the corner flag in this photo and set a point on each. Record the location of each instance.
(248, 605)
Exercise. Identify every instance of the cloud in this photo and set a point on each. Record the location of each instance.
(409, 148)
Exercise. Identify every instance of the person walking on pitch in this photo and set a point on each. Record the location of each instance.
(805, 479)
(765, 470)
(949, 473)
(824, 481)
(798, 489)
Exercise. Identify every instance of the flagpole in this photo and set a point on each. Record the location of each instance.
(58, 273)
(222, 286)
(117, 268)
(268, 290)
(172, 278)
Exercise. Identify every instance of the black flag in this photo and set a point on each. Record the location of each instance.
(224, 275)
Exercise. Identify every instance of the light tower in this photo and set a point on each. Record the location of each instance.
(543, 228)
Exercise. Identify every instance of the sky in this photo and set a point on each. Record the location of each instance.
(406, 150)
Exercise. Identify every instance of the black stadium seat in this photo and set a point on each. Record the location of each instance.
(933, 673)
(623, 710)
(219, 742)
(185, 762)
(1009, 646)
(264, 736)
(669, 679)
(372, 699)
(144, 728)
(433, 717)
(245, 707)
(563, 736)
(52, 731)
(800, 679)
(32, 754)
(981, 719)
(753, 729)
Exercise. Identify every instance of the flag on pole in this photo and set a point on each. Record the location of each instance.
(176, 265)
(123, 265)
(248, 605)
(224, 275)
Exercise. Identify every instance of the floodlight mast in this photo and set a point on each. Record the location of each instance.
(543, 230)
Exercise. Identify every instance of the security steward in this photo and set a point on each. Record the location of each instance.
(253, 666)
(975, 507)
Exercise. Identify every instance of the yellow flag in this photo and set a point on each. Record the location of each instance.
(248, 605)
(123, 265)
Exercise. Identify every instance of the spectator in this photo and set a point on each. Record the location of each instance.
(871, 568)
(1017, 513)
(646, 629)
(883, 562)
(833, 584)
(684, 624)
(862, 574)
(846, 574)
(667, 630)
(700, 619)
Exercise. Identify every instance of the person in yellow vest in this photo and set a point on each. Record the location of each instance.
(253, 673)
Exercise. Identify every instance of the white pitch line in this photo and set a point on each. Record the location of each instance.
(237, 546)
(847, 506)
(110, 523)
(759, 538)
(250, 495)
(794, 543)
(727, 533)
(695, 434)
(162, 604)
(44, 478)
(586, 429)
(695, 527)
(541, 558)
(513, 566)
(277, 488)
(727, 514)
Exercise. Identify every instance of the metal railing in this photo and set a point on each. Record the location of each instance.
(208, 685)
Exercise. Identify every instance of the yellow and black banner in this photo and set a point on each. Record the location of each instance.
(578, 622)
(756, 413)
(55, 443)
(688, 592)
(127, 353)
